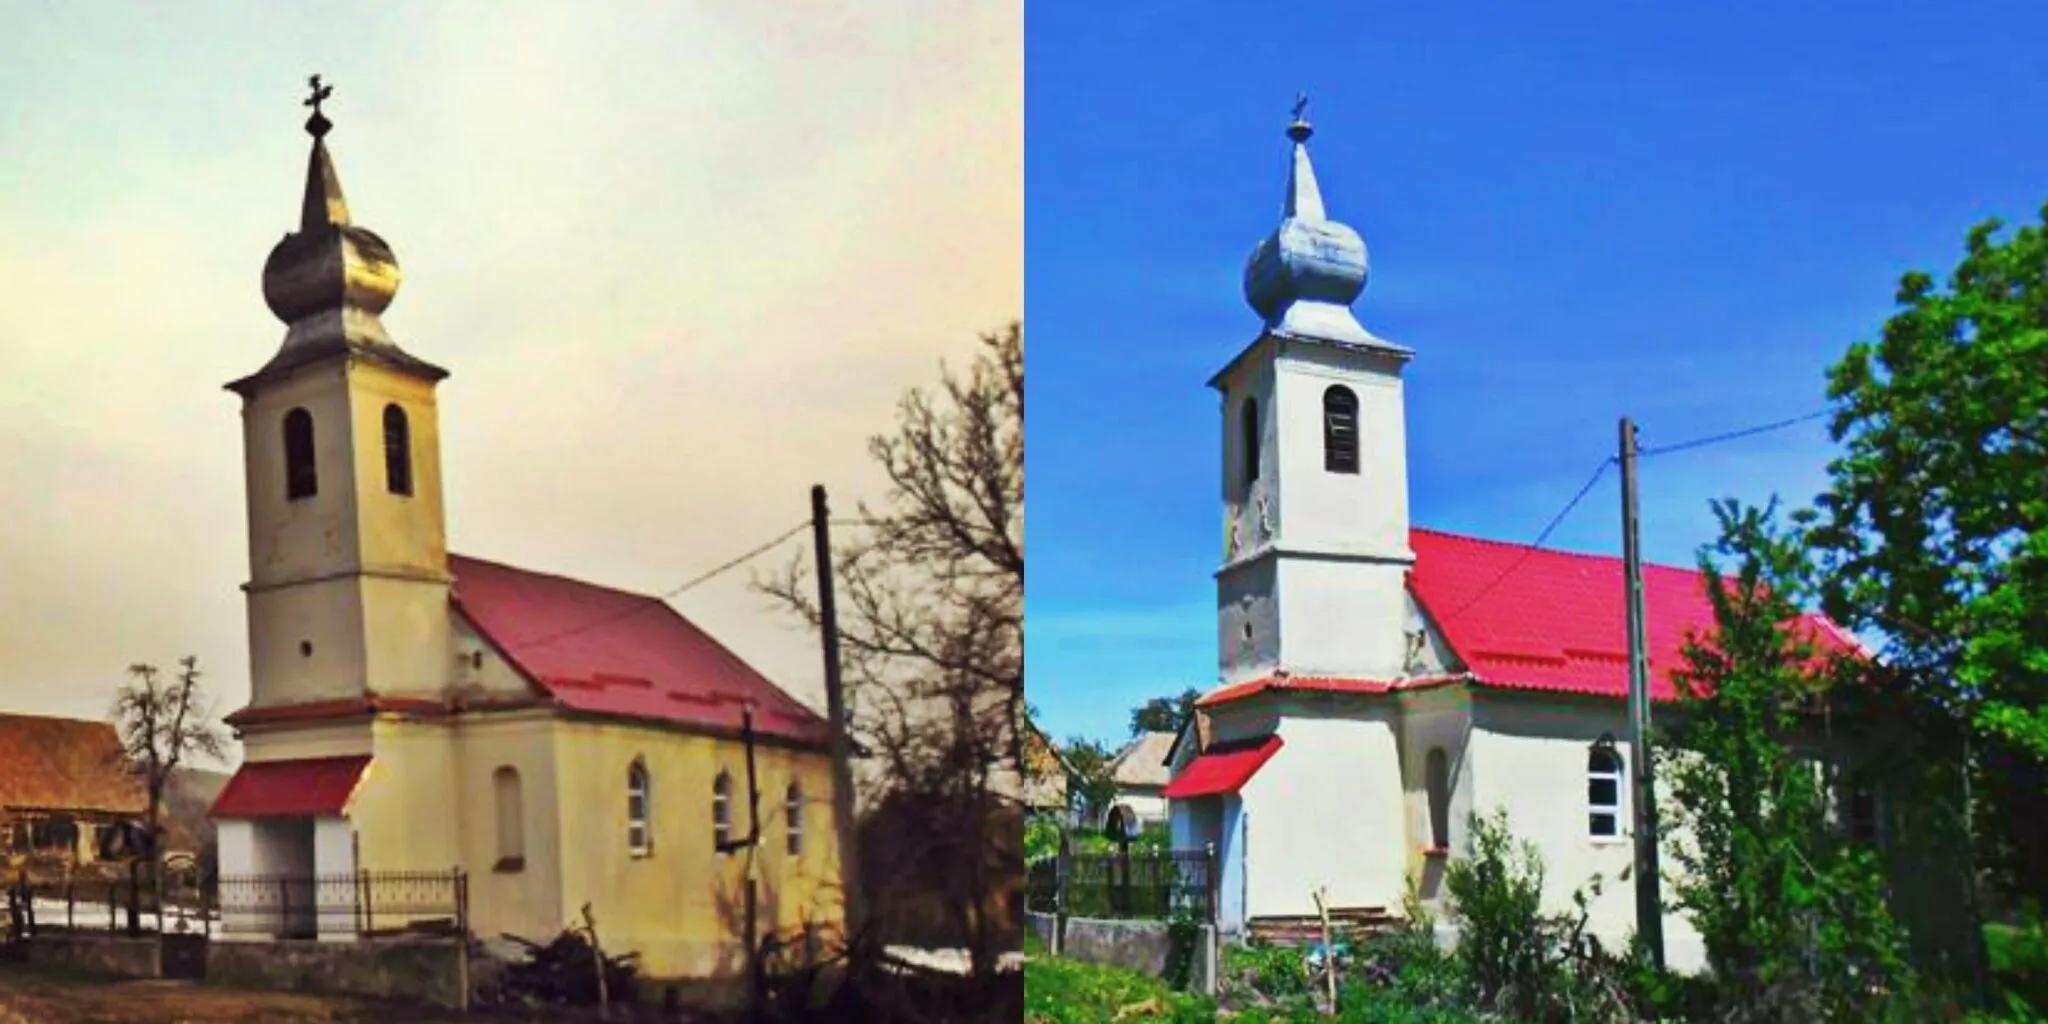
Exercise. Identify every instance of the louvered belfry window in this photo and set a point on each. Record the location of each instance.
(1340, 429)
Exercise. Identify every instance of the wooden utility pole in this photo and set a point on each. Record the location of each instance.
(855, 901)
(1649, 902)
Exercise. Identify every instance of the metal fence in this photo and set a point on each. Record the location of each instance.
(1124, 885)
(365, 903)
(133, 904)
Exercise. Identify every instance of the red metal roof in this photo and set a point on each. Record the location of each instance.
(1556, 621)
(606, 651)
(317, 787)
(1224, 768)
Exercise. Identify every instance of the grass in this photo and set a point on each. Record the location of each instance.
(1060, 991)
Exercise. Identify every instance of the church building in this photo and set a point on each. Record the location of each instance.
(1379, 682)
(418, 713)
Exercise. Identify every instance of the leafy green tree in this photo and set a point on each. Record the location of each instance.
(1792, 910)
(1164, 714)
(1931, 530)
(1090, 787)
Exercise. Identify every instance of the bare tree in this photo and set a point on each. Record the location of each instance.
(930, 592)
(163, 724)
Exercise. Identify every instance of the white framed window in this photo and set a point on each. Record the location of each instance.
(721, 812)
(793, 809)
(1603, 792)
(639, 816)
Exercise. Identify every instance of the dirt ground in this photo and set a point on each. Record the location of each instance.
(28, 997)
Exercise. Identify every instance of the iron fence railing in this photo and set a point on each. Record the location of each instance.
(365, 903)
(1124, 885)
(133, 903)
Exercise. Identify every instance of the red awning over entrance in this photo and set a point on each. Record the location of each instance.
(1224, 769)
(313, 788)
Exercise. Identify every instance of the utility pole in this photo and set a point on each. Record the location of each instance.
(855, 900)
(1649, 902)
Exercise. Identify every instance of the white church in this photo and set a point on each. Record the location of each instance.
(1380, 681)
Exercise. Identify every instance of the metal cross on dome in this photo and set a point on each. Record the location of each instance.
(318, 124)
(1300, 103)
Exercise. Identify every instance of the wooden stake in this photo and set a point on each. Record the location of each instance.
(1329, 948)
(604, 995)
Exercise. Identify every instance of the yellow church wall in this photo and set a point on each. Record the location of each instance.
(282, 621)
(351, 739)
(491, 674)
(523, 899)
(398, 533)
(315, 535)
(408, 649)
(680, 905)
(407, 808)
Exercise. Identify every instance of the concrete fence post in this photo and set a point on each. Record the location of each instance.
(461, 881)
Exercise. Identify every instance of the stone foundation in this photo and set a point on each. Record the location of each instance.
(98, 954)
(1140, 945)
(424, 970)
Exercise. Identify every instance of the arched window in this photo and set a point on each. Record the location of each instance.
(639, 819)
(1249, 425)
(793, 809)
(301, 475)
(397, 451)
(1340, 429)
(511, 823)
(721, 812)
(1603, 791)
(1436, 779)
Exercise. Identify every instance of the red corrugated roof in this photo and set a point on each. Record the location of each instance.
(316, 787)
(1554, 622)
(607, 651)
(1223, 768)
(1557, 621)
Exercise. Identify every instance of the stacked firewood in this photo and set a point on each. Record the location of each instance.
(564, 973)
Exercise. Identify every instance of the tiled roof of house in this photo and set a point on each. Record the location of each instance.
(605, 651)
(1522, 618)
(66, 764)
(1142, 762)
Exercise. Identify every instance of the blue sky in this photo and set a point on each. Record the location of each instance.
(1575, 212)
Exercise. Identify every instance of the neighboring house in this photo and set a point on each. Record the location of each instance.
(62, 781)
(413, 711)
(1140, 774)
(1379, 681)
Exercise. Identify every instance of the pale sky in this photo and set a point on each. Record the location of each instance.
(680, 258)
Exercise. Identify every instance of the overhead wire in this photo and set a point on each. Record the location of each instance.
(1598, 471)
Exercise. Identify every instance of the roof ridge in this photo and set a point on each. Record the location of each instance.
(622, 592)
(1524, 546)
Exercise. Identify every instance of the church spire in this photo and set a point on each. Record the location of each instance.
(332, 279)
(1304, 199)
(1303, 278)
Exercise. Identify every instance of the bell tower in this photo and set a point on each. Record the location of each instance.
(1315, 462)
(348, 566)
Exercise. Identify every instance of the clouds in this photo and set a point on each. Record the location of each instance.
(681, 259)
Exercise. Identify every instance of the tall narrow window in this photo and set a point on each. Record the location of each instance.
(511, 826)
(1250, 427)
(397, 451)
(301, 475)
(1436, 779)
(639, 819)
(1860, 814)
(1340, 429)
(721, 812)
(1603, 792)
(793, 808)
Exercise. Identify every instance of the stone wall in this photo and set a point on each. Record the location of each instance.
(1140, 945)
(101, 954)
(426, 970)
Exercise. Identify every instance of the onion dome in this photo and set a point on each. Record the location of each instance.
(1303, 278)
(330, 280)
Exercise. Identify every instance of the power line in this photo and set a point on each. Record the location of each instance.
(664, 598)
(1731, 435)
(1540, 538)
